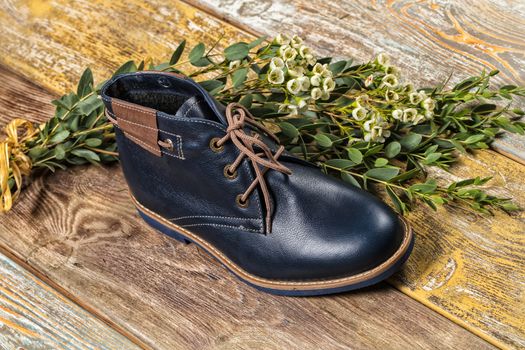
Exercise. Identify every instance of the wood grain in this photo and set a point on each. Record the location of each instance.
(79, 228)
(483, 292)
(428, 40)
(35, 316)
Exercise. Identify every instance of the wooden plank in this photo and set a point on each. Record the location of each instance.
(35, 316)
(428, 40)
(501, 324)
(173, 296)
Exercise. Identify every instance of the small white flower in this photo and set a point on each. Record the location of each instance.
(369, 80)
(301, 103)
(409, 114)
(305, 83)
(408, 88)
(276, 62)
(359, 113)
(316, 93)
(290, 64)
(296, 41)
(328, 84)
(310, 59)
(319, 68)
(289, 54)
(297, 72)
(362, 100)
(428, 104)
(417, 119)
(325, 95)
(234, 64)
(283, 49)
(414, 97)
(429, 115)
(390, 81)
(368, 125)
(392, 70)
(423, 94)
(315, 80)
(305, 50)
(391, 95)
(397, 114)
(288, 108)
(294, 86)
(276, 76)
(382, 59)
(282, 39)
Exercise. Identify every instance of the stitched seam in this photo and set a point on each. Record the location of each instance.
(212, 217)
(401, 250)
(221, 225)
(191, 107)
(179, 138)
(132, 108)
(141, 142)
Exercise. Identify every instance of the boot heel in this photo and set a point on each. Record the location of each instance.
(167, 231)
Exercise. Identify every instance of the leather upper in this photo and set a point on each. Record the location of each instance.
(321, 227)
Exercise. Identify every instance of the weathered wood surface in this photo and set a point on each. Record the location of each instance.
(35, 316)
(481, 288)
(79, 228)
(428, 40)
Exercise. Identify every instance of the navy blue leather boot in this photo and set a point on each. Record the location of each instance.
(208, 174)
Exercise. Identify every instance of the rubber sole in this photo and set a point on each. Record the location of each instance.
(285, 288)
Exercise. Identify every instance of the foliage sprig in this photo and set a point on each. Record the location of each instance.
(361, 122)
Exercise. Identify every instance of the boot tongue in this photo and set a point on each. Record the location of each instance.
(197, 107)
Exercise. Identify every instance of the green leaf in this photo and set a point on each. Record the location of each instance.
(196, 53)
(323, 140)
(288, 129)
(383, 174)
(355, 155)
(474, 138)
(400, 206)
(85, 85)
(257, 42)
(239, 76)
(37, 152)
(411, 141)
(246, 100)
(128, 67)
(177, 53)
(350, 179)
(340, 163)
(427, 187)
(380, 162)
(89, 105)
(86, 154)
(59, 136)
(93, 142)
(337, 67)
(202, 62)
(392, 149)
(210, 85)
(60, 152)
(237, 51)
(432, 157)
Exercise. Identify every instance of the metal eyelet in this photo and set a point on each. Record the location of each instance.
(214, 147)
(228, 174)
(167, 144)
(240, 202)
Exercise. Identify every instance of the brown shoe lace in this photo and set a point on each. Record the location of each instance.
(237, 117)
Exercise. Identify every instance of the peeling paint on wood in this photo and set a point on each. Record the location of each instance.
(467, 268)
(34, 316)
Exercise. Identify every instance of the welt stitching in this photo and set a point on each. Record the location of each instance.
(213, 217)
(221, 225)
